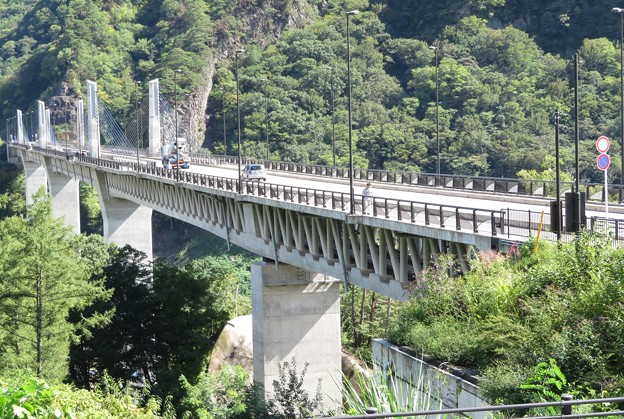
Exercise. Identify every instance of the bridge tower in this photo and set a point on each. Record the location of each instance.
(154, 119)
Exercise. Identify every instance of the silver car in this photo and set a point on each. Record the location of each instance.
(254, 171)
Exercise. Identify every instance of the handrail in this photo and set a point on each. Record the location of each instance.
(566, 406)
(519, 223)
(496, 185)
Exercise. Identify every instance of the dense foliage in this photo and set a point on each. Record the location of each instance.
(501, 69)
(504, 68)
(46, 272)
(508, 314)
(23, 397)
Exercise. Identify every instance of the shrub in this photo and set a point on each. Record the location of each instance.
(30, 397)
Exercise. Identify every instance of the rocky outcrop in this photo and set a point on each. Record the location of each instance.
(234, 347)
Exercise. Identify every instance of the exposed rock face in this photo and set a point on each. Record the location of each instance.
(234, 347)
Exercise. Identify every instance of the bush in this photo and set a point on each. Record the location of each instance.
(563, 302)
(30, 397)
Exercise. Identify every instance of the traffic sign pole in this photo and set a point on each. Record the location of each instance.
(603, 162)
(606, 194)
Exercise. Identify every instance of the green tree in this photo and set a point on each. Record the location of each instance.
(45, 273)
(123, 347)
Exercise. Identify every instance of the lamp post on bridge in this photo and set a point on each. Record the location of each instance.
(240, 179)
(266, 116)
(7, 139)
(331, 69)
(620, 11)
(175, 112)
(437, 118)
(351, 192)
(223, 115)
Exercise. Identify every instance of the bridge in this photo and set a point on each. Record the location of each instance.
(302, 221)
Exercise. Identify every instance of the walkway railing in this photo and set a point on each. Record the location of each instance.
(516, 224)
(565, 406)
(508, 186)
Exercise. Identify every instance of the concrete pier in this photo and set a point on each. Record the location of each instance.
(296, 314)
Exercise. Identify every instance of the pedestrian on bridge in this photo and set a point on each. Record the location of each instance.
(367, 196)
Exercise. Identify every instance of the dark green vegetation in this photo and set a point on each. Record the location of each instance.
(504, 69)
(510, 313)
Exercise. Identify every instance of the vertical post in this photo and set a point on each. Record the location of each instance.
(621, 13)
(437, 116)
(224, 137)
(333, 103)
(576, 129)
(79, 122)
(351, 191)
(175, 111)
(136, 110)
(266, 118)
(621, 93)
(566, 409)
(557, 174)
(240, 180)
(7, 140)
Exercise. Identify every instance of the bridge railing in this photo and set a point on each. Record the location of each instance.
(503, 222)
(508, 186)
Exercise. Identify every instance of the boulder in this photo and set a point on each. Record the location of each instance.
(234, 347)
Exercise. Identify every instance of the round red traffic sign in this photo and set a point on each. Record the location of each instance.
(603, 144)
(603, 161)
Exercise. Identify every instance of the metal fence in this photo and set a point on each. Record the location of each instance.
(508, 186)
(565, 407)
(504, 222)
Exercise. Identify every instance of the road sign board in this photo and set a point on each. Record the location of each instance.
(603, 161)
(603, 144)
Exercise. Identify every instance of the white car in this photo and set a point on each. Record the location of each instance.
(254, 171)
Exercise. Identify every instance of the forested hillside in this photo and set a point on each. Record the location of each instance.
(500, 70)
(504, 69)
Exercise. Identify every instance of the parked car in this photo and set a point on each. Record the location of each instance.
(254, 171)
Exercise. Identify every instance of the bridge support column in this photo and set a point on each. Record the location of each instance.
(65, 194)
(296, 314)
(36, 178)
(124, 222)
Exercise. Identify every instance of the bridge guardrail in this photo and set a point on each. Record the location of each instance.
(509, 186)
(509, 222)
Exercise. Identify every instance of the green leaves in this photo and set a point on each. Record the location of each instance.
(33, 399)
(46, 273)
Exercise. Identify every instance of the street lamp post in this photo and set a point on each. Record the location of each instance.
(136, 111)
(175, 113)
(331, 69)
(224, 137)
(351, 192)
(435, 48)
(7, 139)
(266, 117)
(240, 180)
(621, 12)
